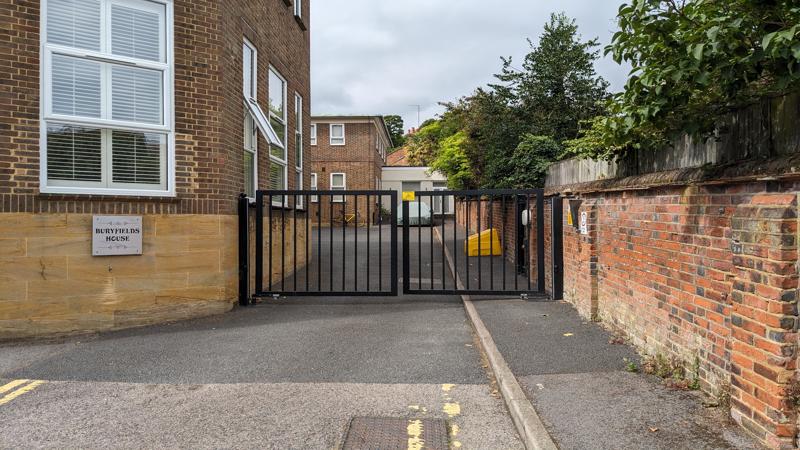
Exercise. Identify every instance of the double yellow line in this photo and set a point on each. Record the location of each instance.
(17, 388)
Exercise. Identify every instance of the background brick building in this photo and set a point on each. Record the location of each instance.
(347, 152)
(194, 111)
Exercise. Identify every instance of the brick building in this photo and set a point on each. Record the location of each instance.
(162, 109)
(347, 153)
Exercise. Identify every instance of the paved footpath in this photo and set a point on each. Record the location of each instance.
(273, 376)
(577, 382)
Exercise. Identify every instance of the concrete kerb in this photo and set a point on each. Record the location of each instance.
(529, 425)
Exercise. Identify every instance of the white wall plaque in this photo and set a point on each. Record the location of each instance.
(584, 223)
(116, 235)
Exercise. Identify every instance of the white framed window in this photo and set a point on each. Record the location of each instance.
(314, 187)
(298, 131)
(107, 97)
(277, 182)
(250, 155)
(278, 112)
(249, 70)
(337, 134)
(313, 134)
(249, 86)
(338, 183)
(298, 8)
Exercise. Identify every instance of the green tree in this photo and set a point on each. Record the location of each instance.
(504, 135)
(693, 61)
(396, 129)
(422, 146)
(452, 160)
(530, 161)
(557, 87)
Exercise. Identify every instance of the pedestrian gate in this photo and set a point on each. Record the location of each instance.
(345, 243)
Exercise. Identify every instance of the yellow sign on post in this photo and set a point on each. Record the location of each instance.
(409, 196)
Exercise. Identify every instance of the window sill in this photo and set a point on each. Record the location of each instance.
(108, 197)
(106, 193)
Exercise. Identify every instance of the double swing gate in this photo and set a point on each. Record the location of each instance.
(345, 243)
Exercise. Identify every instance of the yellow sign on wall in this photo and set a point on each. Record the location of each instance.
(409, 196)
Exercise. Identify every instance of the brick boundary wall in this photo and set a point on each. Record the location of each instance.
(706, 274)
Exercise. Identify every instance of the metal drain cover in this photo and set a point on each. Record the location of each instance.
(388, 433)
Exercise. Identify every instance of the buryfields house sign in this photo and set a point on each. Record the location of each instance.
(116, 235)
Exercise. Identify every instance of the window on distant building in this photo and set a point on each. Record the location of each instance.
(313, 134)
(314, 187)
(337, 134)
(106, 97)
(338, 183)
(249, 70)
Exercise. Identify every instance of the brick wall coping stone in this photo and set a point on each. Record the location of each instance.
(778, 168)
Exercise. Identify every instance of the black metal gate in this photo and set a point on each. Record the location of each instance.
(321, 243)
(483, 246)
(345, 243)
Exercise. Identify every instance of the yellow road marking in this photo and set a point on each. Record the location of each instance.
(452, 409)
(414, 429)
(448, 387)
(12, 385)
(20, 391)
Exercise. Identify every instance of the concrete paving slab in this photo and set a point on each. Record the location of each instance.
(622, 410)
(279, 416)
(576, 381)
(549, 337)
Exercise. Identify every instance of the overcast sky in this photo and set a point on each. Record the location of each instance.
(383, 56)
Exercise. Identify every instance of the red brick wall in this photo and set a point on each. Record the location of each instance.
(707, 273)
(492, 215)
(580, 260)
(208, 105)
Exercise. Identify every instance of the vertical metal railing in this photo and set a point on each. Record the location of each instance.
(331, 224)
(243, 207)
(485, 249)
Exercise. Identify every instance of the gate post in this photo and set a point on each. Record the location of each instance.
(558, 247)
(540, 269)
(406, 249)
(244, 250)
(393, 199)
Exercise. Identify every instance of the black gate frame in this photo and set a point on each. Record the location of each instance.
(520, 196)
(283, 211)
(516, 195)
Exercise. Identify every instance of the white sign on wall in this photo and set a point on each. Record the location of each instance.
(584, 223)
(116, 235)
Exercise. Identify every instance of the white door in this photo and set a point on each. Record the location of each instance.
(440, 202)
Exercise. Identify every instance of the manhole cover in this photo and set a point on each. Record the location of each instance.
(387, 433)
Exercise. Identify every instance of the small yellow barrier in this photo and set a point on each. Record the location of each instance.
(489, 243)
